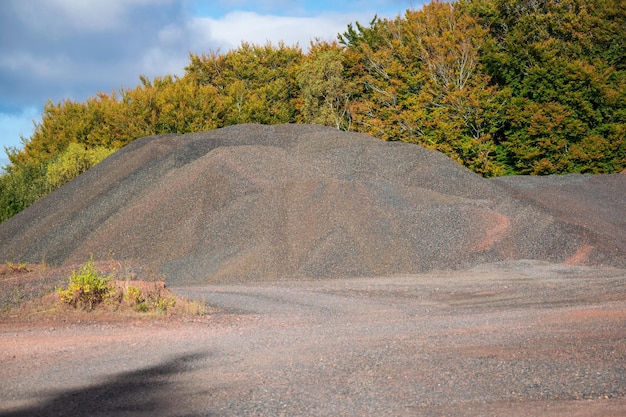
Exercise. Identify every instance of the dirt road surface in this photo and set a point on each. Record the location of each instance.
(508, 339)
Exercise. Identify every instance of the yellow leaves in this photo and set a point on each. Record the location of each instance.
(254, 84)
(86, 288)
(74, 161)
(323, 90)
(449, 42)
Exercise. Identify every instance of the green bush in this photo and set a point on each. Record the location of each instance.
(86, 288)
(162, 304)
(74, 161)
(136, 299)
(20, 187)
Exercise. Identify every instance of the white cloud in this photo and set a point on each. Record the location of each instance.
(169, 54)
(159, 62)
(171, 35)
(237, 27)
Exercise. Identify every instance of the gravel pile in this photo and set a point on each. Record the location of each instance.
(254, 203)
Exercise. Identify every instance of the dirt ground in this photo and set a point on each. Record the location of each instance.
(509, 339)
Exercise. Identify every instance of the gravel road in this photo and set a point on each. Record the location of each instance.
(515, 339)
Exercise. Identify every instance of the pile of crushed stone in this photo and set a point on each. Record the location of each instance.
(253, 203)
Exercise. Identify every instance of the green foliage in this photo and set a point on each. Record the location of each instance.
(135, 298)
(152, 298)
(253, 84)
(75, 160)
(27, 180)
(147, 301)
(86, 288)
(21, 186)
(323, 89)
(162, 304)
(561, 62)
(502, 86)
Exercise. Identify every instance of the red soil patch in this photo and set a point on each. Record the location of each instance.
(580, 257)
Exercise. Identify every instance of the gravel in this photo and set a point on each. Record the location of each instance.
(250, 202)
(515, 338)
(353, 277)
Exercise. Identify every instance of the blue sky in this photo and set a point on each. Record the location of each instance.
(72, 49)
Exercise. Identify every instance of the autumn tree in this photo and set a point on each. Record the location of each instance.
(383, 76)
(74, 161)
(169, 105)
(459, 111)
(256, 84)
(21, 185)
(420, 81)
(324, 92)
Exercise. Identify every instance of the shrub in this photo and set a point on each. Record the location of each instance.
(21, 186)
(136, 299)
(86, 288)
(74, 161)
(162, 304)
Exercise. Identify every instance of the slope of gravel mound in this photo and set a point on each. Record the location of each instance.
(253, 202)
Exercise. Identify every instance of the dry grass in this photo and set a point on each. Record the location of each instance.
(29, 293)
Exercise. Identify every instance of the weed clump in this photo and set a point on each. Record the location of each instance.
(86, 288)
(135, 298)
(152, 298)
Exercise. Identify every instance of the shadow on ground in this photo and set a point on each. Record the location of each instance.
(148, 391)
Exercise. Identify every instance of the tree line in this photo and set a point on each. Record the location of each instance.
(504, 87)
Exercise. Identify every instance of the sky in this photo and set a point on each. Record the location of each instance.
(73, 49)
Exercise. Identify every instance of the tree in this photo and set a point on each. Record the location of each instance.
(323, 89)
(384, 75)
(462, 110)
(546, 52)
(21, 186)
(256, 84)
(74, 161)
(501, 86)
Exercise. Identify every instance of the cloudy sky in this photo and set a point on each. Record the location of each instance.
(58, 49)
